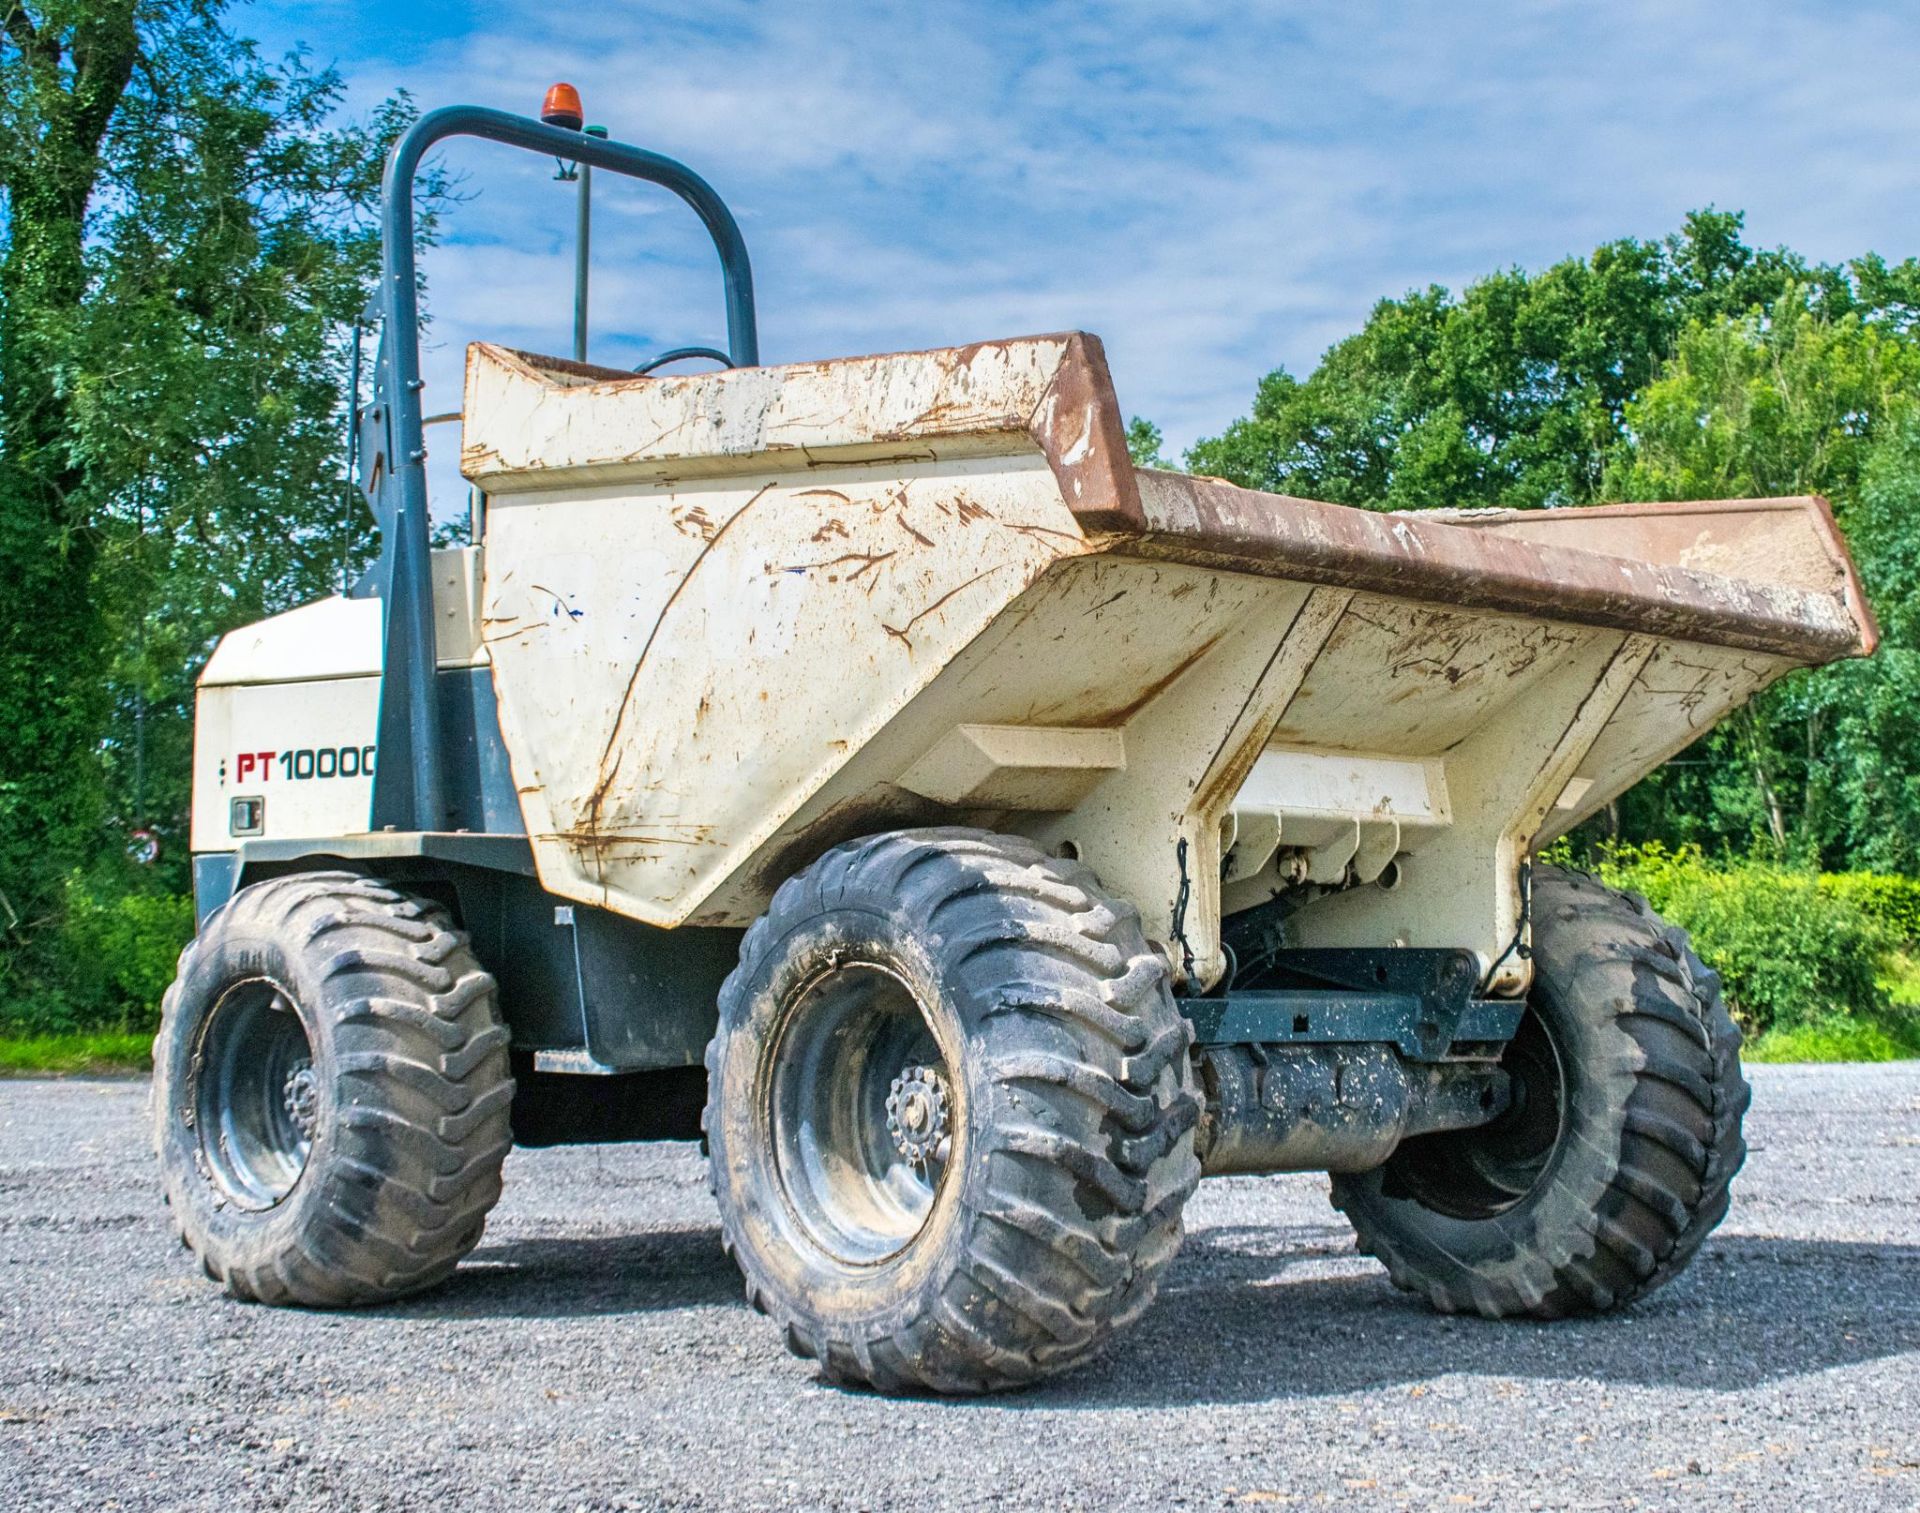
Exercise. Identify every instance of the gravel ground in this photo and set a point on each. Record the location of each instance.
(595, 1353)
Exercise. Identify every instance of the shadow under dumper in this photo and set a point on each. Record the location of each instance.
(1249, 1315)
(1232, 1326)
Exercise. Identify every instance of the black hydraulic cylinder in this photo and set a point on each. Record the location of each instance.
(1338, 1108)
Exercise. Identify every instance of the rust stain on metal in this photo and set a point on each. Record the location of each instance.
(963, 509)
(1078, 429)
(606, 841)
(866, 562)
(1725, 536)
(1216, 524)
(1161, 684)
(899, 632)
(609, 765)
(694, 522)
(1021, 528)
(952, 418)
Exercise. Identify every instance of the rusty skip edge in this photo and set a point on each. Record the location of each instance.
(1070, 415)
(1815, 510)
(1208, 522)
(1211, 523)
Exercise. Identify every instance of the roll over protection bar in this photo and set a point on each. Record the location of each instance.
(408, 789)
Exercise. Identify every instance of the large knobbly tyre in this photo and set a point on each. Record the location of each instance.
(1613, 1164)
(330, 1093)
(950, 1113)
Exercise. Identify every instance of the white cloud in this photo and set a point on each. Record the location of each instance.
(1214, 189)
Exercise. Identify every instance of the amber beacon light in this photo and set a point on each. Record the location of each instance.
(562, 108)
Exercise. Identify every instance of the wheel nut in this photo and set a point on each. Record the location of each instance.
(302, 1098)
(917, 1113)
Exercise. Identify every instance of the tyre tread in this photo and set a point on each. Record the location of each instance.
(413, 1019)
(1091, 1162)
(1681, 1113)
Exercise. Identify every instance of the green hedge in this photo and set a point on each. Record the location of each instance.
(1891, 902)
(116, 954)
(1793, 950)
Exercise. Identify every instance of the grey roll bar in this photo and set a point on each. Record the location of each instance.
(409, 792)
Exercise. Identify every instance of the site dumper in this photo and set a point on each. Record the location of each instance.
(974, 838)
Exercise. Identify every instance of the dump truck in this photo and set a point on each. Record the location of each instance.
(973, 839)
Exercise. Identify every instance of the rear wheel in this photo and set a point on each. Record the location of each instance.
(951, 1113)
(330, 1093)
(1613, 1160)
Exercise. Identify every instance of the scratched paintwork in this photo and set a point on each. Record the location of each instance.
(1682, 693)
(736, 618)
(1431, 676)
(678, 669)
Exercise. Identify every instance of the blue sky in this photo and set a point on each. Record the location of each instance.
(1216, 189)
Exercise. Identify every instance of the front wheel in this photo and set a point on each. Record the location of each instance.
(1613, 1161)
(330, 1093)
(951, 1113)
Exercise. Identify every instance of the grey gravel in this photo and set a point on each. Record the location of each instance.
(595, 1354)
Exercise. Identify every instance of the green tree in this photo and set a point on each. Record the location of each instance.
(1690, 367)
(188, 232)
(1792, 401)
(62, 78)
(1784, 400)
(1513, 394)
(1875, 705)
(1144, 442)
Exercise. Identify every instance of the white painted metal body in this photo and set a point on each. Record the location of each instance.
(734, 619)
(276, 697)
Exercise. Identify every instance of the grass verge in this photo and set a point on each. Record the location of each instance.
(92, 1052)
(1837, 1039)
(1892, 1035)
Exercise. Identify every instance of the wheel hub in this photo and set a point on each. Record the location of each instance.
(858, 1112)
(257, 1099)
(301, 1095)
(917, 1113)
(1482, 1172)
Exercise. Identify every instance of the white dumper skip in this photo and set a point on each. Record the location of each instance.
(975, 839)
(735, 619)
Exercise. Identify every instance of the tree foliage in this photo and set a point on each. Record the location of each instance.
(188, 233)
(1144, 442)
(1515, 393)
(1783, 401)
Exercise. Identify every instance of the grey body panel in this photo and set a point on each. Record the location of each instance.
(479, 783)
(572, 978)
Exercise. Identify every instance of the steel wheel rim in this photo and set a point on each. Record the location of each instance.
(860, 1176)
(256, 1100)
(1485, 1172)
